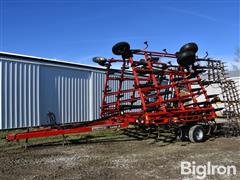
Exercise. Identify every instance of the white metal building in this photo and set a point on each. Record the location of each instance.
(30, 87)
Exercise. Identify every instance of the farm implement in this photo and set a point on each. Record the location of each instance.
(150, 94)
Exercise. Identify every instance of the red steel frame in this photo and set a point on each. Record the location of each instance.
(163, 115)
(94, 126)
(112, 114)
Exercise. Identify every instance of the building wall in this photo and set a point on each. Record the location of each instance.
(19, 89)
(65, 92)
(31, 89)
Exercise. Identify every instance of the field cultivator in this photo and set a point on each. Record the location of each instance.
(151, 94)
(158, 95)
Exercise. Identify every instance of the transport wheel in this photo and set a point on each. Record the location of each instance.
(121, 48)
(186, 58)
(183, 133)
(197, 134)
(189, 47)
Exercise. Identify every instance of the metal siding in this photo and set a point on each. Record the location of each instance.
(98, 80)
(18, 100)
(65, 92)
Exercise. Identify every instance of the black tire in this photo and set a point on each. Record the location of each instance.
(183, 133)
(197, 134)
(186, 58)
(189, 47)
(121, 48)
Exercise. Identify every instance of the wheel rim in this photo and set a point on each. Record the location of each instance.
(199, 134)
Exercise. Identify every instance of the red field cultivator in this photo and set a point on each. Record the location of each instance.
(162, 95)
(150, 94)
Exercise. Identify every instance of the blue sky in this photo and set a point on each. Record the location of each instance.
(78, 30)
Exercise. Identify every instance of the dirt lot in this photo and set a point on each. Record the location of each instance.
(114, 157)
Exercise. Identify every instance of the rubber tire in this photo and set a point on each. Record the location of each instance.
(121, 48)
(183, 134)
(189, 47)
(193, 136)
(186, 58)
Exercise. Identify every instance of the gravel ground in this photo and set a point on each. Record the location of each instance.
(118, 158)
